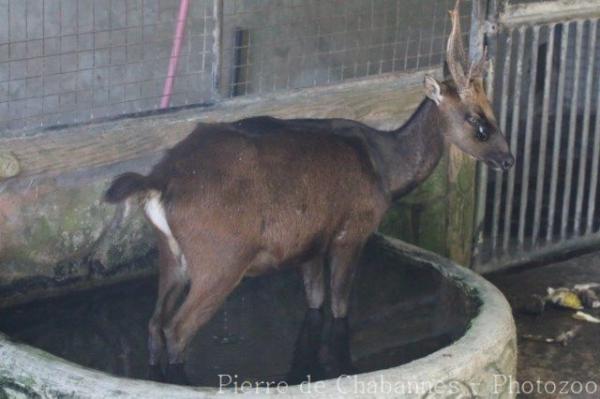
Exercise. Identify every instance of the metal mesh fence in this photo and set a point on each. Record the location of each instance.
(68, 61)
(71, 61)
(272, 45)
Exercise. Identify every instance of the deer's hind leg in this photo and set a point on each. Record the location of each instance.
(172, 275)
(212, 279)
(343, 262)
(171, 284)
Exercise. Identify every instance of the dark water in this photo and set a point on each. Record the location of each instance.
(399, 312)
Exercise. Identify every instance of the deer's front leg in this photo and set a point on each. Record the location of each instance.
(305, 361)
(314, 282)
(344, 258)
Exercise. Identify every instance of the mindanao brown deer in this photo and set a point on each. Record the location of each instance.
(238, 199)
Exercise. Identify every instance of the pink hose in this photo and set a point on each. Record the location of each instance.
(175, 51)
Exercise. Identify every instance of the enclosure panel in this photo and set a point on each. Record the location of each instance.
(547, 84)
(69, 61)
(273, 45)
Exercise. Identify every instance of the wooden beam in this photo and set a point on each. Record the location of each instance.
(461, 206)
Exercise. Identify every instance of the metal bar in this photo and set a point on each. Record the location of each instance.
(241, 47)
(476, 35)
(528, 134)
(572, 132)
(548, 12)
(541, 169)
(501, 5)
(557, 130)
(544, 253)
(586, 125)
(476, 40)
(503, 117)
(594, 169)
(217, 47)
(482, 181)
(514, 138)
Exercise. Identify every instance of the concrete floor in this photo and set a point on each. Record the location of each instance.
(551, 370)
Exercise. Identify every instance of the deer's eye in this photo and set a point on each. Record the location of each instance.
(481, 133)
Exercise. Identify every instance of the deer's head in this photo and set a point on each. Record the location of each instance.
(467, 115)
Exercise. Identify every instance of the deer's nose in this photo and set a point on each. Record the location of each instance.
(508, 162)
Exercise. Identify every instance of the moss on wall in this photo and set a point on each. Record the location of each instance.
(55, 235)
(438, 215)
(461, 207)
(419, 218)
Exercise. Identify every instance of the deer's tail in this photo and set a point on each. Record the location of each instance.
(125, 185)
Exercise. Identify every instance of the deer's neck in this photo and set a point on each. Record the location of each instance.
(409, 154)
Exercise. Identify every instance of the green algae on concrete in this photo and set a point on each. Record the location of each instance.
(461, 206)
(56, 234)
(438, 215)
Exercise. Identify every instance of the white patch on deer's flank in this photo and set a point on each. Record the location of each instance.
(155, 211)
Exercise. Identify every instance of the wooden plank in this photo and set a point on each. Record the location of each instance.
(461, 206)
(383, 102)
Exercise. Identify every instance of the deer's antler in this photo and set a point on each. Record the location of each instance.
(455, 51)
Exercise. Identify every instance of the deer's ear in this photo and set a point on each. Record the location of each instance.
(433, 89)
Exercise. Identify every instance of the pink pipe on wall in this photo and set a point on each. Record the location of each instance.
(175, 52)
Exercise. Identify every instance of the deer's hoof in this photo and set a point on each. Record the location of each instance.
(155, 373)
(176, 374)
